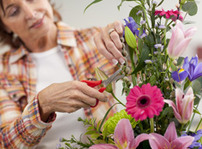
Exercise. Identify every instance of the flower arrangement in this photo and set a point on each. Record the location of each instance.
(162, 88)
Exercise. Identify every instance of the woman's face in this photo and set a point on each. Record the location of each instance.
(29, 19)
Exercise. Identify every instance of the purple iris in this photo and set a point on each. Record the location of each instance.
(195, 69)
(132, 25)
(190, 69)
(196, 136)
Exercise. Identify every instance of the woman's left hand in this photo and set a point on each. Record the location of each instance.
(108, 42)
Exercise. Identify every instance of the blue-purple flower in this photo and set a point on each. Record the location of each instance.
(133, 26)
(190, 69)
(196, 136)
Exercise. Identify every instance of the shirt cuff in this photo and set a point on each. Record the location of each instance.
(31, 115)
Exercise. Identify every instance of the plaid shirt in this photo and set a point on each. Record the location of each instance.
(20, 123)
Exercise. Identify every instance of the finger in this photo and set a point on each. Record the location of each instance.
(101, 47)
(117, 34)
(93, 93)
(116, 40)
(118, 26)
(112, 40)
(79, 95)
(111, 47)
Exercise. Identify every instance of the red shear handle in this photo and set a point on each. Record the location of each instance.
(92, 83)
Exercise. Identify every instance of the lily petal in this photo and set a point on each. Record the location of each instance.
(182, 142)
(176, 113)
(123, 132)
(157, 141)
(171, 133)
(139, 139)
(181, 47)
(190, 32)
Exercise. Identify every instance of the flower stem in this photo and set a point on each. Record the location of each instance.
(192, 118)
(152, 124)
(181, 128)
(165, 30)
(198, 125)
(131, 52)
(117, 99)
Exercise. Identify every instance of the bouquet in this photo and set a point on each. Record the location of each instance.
(163, 89)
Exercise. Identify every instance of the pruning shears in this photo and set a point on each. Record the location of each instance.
(92, 83)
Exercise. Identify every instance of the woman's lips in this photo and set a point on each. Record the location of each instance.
(37, 24)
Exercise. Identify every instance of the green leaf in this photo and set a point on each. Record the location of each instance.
(197, 100)
(90, 132)
(200, 140)
(106, 116)
(183, 1)
(196, 111)
(133, 13)
(152, 80)
(144, 56)
(190, 7)
(122, 3)
(180, 60)
(173, 67)
(95, 135)
(130, 38)
(196, 85)
(95, 1)
(161, 2)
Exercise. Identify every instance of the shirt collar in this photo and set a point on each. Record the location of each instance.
(65, 37)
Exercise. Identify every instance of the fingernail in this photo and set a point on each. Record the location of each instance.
(114, 61)
(122, 61)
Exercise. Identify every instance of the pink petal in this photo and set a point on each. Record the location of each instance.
(178, 95)
(175, 110)
(157, 141)
(182, 142)
(176, 38)
(171, 133)
(139, 139)
(190, 32)
(123, 132)
(188, 104)
(181, 47)
(103, 146)
(179, 25)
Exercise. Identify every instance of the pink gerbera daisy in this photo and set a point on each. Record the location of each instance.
(144, 102)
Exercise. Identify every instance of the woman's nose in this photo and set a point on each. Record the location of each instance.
(29, 12)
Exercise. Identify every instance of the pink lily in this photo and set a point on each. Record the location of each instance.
(123, 137)
(180, 39)
(170, 139)
(184, 105)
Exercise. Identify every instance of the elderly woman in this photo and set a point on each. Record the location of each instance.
(39, 75)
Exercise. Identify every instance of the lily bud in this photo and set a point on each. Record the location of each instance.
(100, 75)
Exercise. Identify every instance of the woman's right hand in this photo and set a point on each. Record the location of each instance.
(67, 97)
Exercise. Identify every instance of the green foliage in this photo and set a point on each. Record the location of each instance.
(94, 2)
(190, 7)
(130, 38)
(133, 13)
(110, 124)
